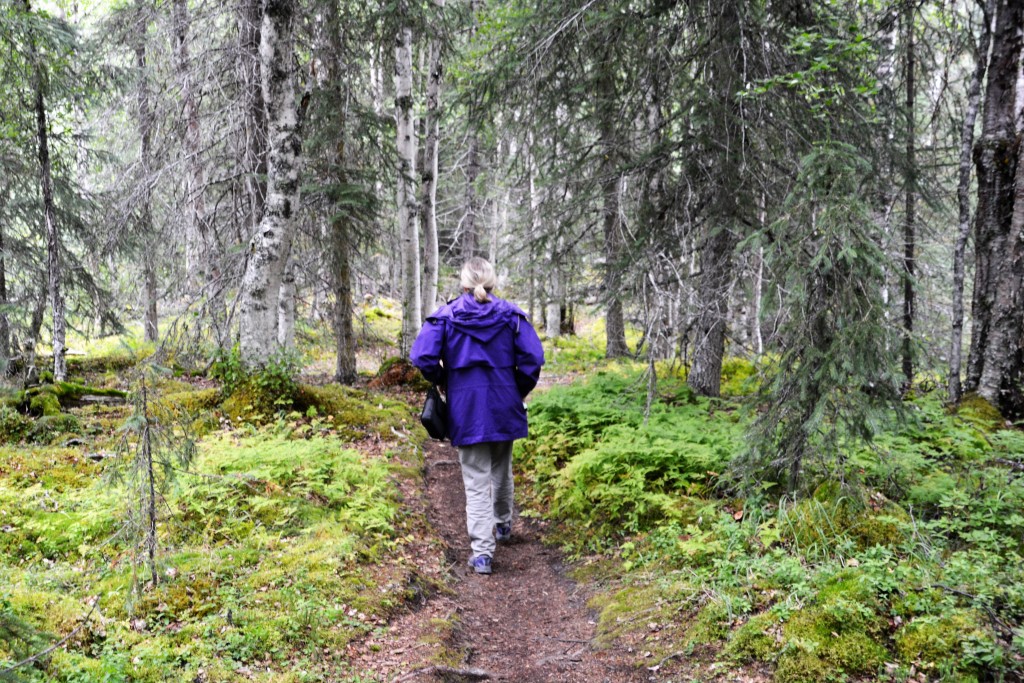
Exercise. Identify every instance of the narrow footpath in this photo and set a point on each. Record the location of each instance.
(525, 623)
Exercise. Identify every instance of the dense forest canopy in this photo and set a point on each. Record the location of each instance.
(815, 185)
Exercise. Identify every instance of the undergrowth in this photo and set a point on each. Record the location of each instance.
(279, 546)
(906, 567)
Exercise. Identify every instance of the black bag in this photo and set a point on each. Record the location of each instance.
(435, 415)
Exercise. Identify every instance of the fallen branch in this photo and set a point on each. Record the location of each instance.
(473, 674)
(39, 655)
(567, 640)
(664, 659)
(1014, 464)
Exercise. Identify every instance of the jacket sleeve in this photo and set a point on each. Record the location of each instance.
(529, 357)
(428, 349)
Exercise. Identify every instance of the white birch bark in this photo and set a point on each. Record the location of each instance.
(253, 149)
(963, 191)
(286, 308)
(429, 176)
(269, 248)
(407, 209)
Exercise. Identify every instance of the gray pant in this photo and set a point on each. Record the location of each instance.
(487, 476)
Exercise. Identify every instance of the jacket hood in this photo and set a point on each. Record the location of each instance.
(482, 321)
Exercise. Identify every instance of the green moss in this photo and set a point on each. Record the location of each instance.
(442, 634)
(198, 406)
(934, 641)
(757, 640)
(398, 371)
(354, 413)
(50, 399)
(56, 613)
(70, 391)
(185, 597)
(618, 609)
(13, 425)
(738, 376)
(800, 663)
(194, 402)
(43, 404)
(711, 625)
(46, 428)
(831, 515)
(253, 403)
(891, 529)
(825, 642)
(980, 412)
(839, 636)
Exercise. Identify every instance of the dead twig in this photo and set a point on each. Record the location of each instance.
(664, 659)
(39, 655)
(473, 674)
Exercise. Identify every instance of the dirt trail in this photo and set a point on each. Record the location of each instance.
(525, 623)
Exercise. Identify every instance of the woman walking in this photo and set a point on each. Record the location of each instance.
(486, 356)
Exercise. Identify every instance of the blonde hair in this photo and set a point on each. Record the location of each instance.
(478, 277)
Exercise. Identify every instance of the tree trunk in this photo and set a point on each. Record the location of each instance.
(152, 321)
(556, 296)
(1003, 372)
(993, 346)
(407, 209)
(195, 176)
(254, 118)
(145, 211)
(53, 240)
(35, 328)
(470, 230)
(269, 248)
(611, 189)
(340, 238)
(755, 318)
(341, 282)
(909, 239)
(429, 177)
(286, 308)
(964, 205)
(5, 324)
(615, 324)
(719, 241)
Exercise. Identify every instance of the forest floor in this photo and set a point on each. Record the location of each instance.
(525, 623)
(325, 541)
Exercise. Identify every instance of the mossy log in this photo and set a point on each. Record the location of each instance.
(51, 399)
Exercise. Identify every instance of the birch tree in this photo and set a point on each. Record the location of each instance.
(428, 176)
(963, 190)
(408, 211)
(269, 248)
(254, 118)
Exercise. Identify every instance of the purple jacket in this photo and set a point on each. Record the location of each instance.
(488, 358)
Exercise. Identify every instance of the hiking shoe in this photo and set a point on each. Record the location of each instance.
(481, 564)
(503, 532)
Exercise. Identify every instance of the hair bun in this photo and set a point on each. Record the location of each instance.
(478, 277)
